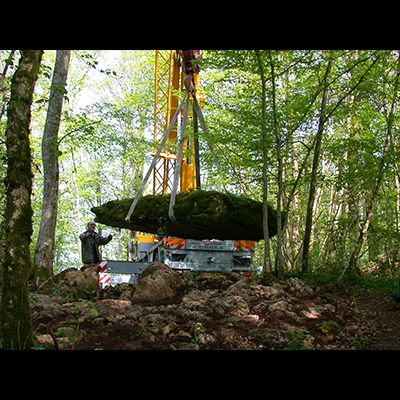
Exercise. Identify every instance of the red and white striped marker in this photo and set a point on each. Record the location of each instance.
(103, 266)
(104, 278)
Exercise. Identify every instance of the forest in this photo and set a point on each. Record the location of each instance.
(313, 133)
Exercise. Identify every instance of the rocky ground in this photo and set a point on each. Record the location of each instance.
(168, 311)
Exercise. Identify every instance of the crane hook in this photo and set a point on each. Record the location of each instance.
(190, 84)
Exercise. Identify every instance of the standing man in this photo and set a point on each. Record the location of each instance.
(91, 240)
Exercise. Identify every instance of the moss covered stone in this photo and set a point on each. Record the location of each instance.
(201, 215)
(331, 329)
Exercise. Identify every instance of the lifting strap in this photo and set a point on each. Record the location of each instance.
(207, 136)
(179, 162)
(156, 158)
(199, 114)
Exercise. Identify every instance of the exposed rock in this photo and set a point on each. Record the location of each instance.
(185, 346)
(86, 281)
(299, 288)
(232, 305)
(159, 282)
(124, 291)
(222, 282)
(261, 308)
(169, 329)
(225, 312)
(313, 312)
(229, 336)
(79, 284)
(114, 311)
(280, 306)
(44, 339)
(152, 320)
(244, 321)
(189, 315)
(201, 335)
(197, 299)
(266, 292)
(184, 334)
(105, 307)
(250, 290)
(45, 309)
(331, 308)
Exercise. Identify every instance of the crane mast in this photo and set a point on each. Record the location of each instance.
(169, 87)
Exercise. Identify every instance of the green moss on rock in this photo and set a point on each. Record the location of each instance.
(331, 329)
(201, 215)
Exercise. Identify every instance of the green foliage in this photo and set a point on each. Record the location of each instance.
(297, 341)
(103, 145)
(361, 89)
(106, 143)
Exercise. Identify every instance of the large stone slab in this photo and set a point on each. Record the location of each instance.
(201, 215)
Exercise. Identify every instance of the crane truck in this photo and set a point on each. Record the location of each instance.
(178, 71)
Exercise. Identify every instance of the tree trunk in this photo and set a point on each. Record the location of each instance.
(370, 209)
(267, 249)
(314, 174)
(44, 257)
(279, 256)
(15, 313)
(3, 89)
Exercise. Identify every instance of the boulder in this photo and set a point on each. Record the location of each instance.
(158, 282)
(201, 215)
(78, 284)
(86, 281)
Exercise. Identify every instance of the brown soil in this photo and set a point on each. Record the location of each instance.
(191, 321)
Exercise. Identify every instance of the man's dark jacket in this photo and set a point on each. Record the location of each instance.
(90, 245)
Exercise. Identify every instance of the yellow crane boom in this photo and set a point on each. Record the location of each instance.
(170, 85)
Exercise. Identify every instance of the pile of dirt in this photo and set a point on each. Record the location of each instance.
(201, 215)
(210, 313)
